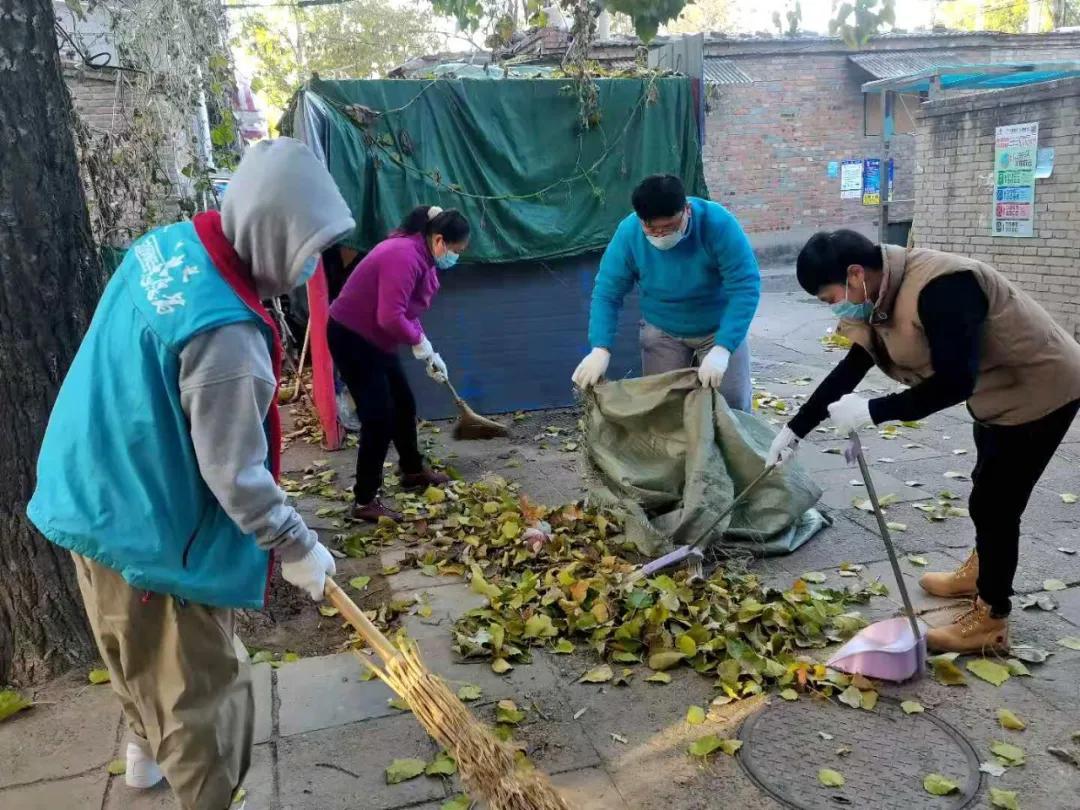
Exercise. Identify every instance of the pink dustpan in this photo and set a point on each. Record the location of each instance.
(887, 650)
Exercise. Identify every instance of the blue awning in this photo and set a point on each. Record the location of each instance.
(976, 77)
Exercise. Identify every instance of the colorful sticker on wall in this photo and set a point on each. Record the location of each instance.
(871, 181)
(1015, 150)
(833, 169)
(851, 180)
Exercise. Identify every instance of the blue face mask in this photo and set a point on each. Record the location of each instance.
(846, 310)
(307, 271)
(447, 260)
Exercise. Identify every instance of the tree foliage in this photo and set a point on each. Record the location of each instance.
(858, 20)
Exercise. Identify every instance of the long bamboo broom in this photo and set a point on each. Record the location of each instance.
(486, 765)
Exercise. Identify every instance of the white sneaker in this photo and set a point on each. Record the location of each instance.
(142, 772)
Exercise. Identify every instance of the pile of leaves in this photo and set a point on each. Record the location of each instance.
(554, 579)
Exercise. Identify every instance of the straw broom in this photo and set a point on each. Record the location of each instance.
(486, 765)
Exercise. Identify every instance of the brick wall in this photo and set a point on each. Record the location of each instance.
(954, 189)
(768, 144)
(96, 96)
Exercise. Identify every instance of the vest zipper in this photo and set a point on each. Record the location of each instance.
(194, 534)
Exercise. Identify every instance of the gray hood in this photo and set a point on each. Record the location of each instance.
(282, 207)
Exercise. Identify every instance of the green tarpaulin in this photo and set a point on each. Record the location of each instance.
(510, 154)
(671, 456)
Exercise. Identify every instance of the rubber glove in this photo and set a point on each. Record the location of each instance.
(309, 573)
(592, 368)
(436, 368)
(423, 350)
(783, 447)
(713, 366)
(849, 413)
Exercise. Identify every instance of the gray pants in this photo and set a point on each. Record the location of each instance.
(661, 352)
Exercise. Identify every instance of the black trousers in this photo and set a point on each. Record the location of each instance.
(384, 404)
(1010, 462)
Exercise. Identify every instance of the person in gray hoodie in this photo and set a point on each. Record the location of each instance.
(159, 464)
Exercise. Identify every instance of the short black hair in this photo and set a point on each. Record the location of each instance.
(826, 257)
(661, 195)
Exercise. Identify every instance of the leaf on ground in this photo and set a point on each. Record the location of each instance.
(1029, 654)
(359, 583)
(937, 785)
(401, 770)
(290, 657)
(442, 765)
(1017, 668)
(851, 697)
(399, 704)
(470, 691)
(329, 611)
(1069, 498)
(789, 694)
(1054, 585)
(563, 647)
(1070, 642)
(915, 559)
(1008, 753)
(459, 802)
(506, 711)
(11, 702)
(602, 674)
(1066, 550)
(992, 767)
(1065, 755)
(947, 672)
(959, 452)
(912, 707)
(1005, 799)
(390, 570)
(830, 778)
(863, 504)
(238, 797)
(695, 715)
(705, 746)
(956, 476)
(434, 495)
(687, 646)
(665, 659)
(539, 626)
(989, 671)
(97, 676)
(117, 767)
(869, 699)
(500, 666)
(896, 527)
(1006, 719)
(813, 577)
(659, 677)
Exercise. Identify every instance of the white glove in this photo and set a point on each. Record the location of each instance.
(592, 368)
(783, 447)
(423, 350)
(309, 573)
(713, 366)
(436, 368)
(849, 413)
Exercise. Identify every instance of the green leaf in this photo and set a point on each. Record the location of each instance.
(1006, 719)
(989, 671)
(117, 767)
(500, 666)
(11, 702)
(1008, 753)
(1017, 668)
(813, 577)
(97, 676)
(459, 802)
(1069, 498)
(659, 677)
(1005, 799)
(1070, 642)
(851, 697)
(912, 707)
(687, 646)
(665, 659)
(830, 778)
(434, 495)
(539, 626)
(401, 770)
(329, 611)
(896, 527)
(946, 671)
(639, 599)
(359, 583)
(563, 647)
(937, 785)
(442, 765)
(469, 691)
(399, 704)
(709, 743)
(1054, 585)
(290, 657)
(602, 674)
(695, 715)
(789, 694)
(506, 711)
(915, 559)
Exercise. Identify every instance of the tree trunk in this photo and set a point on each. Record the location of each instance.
(50, 281)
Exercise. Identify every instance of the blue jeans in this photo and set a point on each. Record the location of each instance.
(661, 352)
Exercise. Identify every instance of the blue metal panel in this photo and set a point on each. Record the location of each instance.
(512, 335)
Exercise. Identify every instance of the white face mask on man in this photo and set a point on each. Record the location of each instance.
(670, 240)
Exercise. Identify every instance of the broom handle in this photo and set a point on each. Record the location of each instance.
(355, 616)
(300, 367)
(884, 528)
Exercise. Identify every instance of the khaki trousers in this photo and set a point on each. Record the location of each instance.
(184, 682)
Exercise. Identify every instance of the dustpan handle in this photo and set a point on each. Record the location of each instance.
(856, 447)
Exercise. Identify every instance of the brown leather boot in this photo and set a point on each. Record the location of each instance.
(956, 584)
(973, 631)
(372, 512)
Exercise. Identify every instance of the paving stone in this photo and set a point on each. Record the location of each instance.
(838, 493)
(71, 730)
(261, 675)
(412, 579)
(447, 603)
(589, 789)
(83, 791)
(524, 679)
(555, 745)
(1069, 605)
(327, 691)
(343, 768)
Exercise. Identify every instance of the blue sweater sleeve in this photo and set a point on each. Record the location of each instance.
(740, 278)
(614, 280)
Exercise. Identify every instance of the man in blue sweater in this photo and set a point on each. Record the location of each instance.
(699, 285)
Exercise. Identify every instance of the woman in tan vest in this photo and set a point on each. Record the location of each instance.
(952, 329)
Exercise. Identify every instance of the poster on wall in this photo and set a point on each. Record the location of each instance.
(1015, 150)
(871, 182)
(851, 180)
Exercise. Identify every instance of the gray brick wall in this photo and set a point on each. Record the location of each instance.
(954, 189)
(97, 96)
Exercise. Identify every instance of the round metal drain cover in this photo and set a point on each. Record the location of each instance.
(883, 756)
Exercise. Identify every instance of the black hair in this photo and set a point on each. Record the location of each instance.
(450, 224)
(826, 257)
(661, 195)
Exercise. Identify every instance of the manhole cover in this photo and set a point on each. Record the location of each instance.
(890, 753)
